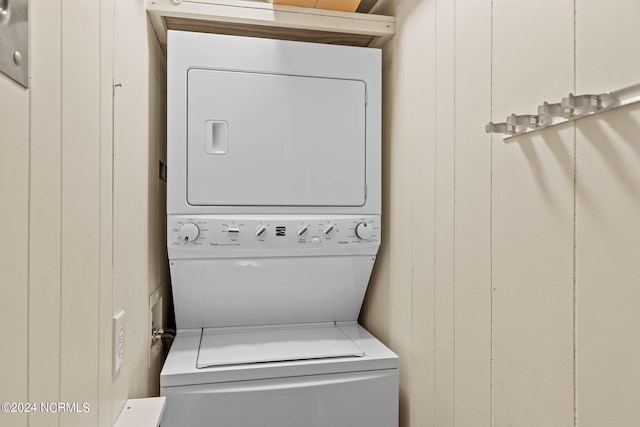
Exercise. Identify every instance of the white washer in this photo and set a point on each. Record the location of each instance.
(273, 217)
(319, 390)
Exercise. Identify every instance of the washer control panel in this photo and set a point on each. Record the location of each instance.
(272, 232)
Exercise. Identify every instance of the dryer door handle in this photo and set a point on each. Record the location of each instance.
(216, 141)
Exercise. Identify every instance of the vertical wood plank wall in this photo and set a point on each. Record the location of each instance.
(607, 227)
(508, 277)
(14, 250)
(80, 215)
(82, 209)
(45, 216)
(532, 213)
(139, 211)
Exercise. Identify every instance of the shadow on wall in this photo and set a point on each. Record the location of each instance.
(624, 123)
(559, 142)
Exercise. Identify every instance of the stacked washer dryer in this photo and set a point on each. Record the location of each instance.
(273, 212)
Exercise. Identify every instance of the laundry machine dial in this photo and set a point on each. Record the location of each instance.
(328, 229)
(364, 231)
(189, 232)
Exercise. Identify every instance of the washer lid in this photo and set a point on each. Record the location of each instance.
(238, 346)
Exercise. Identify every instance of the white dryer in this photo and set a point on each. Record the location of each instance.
(273, 217)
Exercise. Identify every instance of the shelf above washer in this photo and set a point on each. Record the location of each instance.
(261, 19)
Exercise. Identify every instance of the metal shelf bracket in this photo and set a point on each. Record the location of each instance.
(571, 108)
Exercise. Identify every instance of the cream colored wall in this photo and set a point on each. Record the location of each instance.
(507, 279)
(140, 265)
(81, 205)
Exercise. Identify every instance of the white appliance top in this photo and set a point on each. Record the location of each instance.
(181, 368)
(236, 346)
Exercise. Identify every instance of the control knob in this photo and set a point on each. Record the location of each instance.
(328, 229)
(364, 231)
(260, 230)
(189, 232)
(302, 230)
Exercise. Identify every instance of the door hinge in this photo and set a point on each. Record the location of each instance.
(14, 40)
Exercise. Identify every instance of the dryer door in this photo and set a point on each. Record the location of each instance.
(274, 140)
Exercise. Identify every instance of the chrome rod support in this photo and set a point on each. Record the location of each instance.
(572, 107)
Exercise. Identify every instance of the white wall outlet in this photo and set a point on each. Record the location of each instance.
(118, 341)
(155, 322)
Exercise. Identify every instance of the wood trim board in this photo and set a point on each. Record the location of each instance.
(261, 19)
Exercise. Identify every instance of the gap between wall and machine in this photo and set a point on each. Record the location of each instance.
(571, 108)
(262, 19)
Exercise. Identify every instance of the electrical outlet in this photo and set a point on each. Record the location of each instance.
(118, 341)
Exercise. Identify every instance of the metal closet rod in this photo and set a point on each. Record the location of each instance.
(571, 108)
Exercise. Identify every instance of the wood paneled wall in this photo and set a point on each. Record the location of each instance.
(507, 279)
(139, 123)
(508, 276)
(82, 209)
(14, 250)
